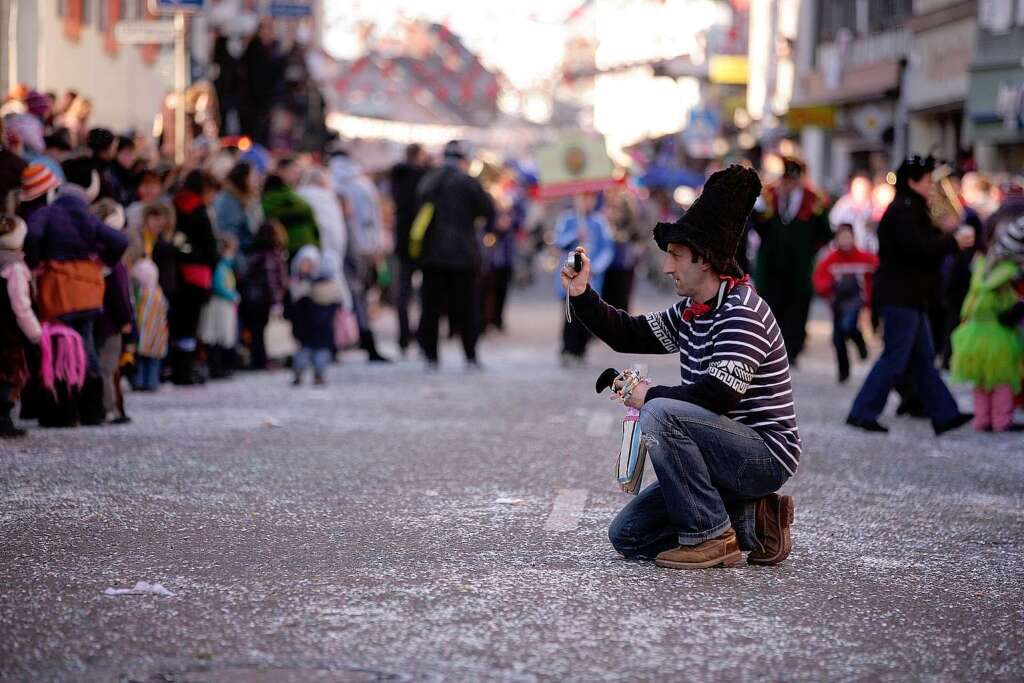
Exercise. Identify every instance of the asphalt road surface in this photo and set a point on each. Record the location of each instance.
(400, 525)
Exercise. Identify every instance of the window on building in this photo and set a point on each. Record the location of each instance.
(834, 15)
(886, 15)
(62, 8)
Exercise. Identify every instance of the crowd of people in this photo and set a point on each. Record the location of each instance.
(121, 268)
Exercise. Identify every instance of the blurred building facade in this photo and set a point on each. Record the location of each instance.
(996, 95)
(60, 45)
(876, 80)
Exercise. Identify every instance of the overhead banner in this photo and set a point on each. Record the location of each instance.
(573, 165)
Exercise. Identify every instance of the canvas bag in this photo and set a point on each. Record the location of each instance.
(629, 467)
(278, 339)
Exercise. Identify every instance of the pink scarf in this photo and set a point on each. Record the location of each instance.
(69, 364)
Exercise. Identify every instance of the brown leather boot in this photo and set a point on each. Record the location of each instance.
(774, 517)
(721, 551)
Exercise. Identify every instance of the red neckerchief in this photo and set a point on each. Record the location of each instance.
(698, 308)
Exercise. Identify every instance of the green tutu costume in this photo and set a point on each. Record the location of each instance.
(985, 353)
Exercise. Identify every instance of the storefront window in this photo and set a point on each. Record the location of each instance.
(834, 15)
(886, 15)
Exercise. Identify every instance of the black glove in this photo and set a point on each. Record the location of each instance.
(1011, 317)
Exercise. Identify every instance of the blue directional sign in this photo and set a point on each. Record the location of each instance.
(290, 9)
(166, 6)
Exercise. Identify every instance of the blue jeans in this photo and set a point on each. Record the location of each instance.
(147, 373)
(320, 358)
(710, 471)
(908, 346)
(844, 328)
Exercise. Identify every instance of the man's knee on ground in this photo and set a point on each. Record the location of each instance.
(618, 535)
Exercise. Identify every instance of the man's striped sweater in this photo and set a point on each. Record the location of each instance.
(732, 359)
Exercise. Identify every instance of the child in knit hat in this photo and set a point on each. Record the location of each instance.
(988, 350)
(151, 320)
(315, 296)
(18, 323)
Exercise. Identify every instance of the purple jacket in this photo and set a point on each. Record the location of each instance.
(118, 310)
(66, 231)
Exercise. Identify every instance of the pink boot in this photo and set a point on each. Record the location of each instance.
(982, 411)
(1001, 408)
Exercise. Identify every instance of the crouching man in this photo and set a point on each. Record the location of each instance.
(724, 439)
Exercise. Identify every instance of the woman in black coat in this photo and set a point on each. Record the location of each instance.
(911, 250)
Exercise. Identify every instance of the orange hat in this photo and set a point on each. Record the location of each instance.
(36, 180)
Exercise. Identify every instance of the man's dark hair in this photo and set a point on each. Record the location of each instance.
(59, 139)
(199, 182)
(238, 177)
(124, 142)
(913, 169)
(284, 163)
(78, 170)
(720, 265)
(413, 151)
(99, 140)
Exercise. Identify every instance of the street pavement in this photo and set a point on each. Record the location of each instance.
(405, 526)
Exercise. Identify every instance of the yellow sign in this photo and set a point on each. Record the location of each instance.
(728, 69)
(818, 117)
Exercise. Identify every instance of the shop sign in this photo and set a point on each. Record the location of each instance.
(291, 9)
(171, 6)
(574, 164)
(798, 118)
(144, 32)
(728, 69)
(704, 127)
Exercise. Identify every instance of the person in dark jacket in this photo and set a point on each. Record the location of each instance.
(70, 246)
(911, 249)
(451, 255)
(263, 287)
(405, 178)
(115, 321)
(792, 220)
(103, 146)
(197, 257)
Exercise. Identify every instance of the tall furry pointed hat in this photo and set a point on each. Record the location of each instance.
(714, 222)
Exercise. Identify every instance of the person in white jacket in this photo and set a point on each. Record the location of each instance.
(316, 190)
(18, 323)
(366, 238)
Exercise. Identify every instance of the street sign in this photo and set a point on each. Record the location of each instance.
(291, 9)
(144, 32)
(170, 6)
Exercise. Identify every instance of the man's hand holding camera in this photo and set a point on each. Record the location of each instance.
(576, 282)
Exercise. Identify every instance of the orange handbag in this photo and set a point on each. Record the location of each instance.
(69, 287)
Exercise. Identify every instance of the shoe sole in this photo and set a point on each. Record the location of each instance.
(786, 514)
(730, 560)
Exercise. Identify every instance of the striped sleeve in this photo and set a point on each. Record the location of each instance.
(741, 345)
